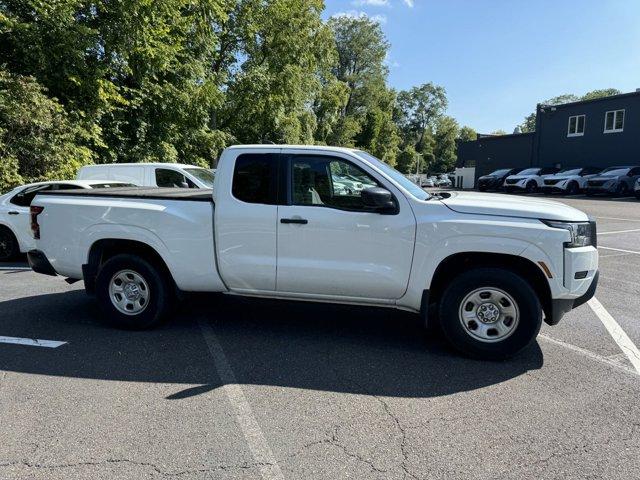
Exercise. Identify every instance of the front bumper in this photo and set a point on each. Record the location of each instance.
(561, 306)
(600, 189)
(39, 263)
(489, 185)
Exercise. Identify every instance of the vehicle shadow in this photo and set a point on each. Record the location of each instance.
(288, 344)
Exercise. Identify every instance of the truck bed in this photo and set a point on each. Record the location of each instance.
(153, 193)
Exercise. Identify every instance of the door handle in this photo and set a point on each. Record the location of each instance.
(301, 221)
(13, 212)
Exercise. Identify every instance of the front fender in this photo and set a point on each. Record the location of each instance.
(509, 236)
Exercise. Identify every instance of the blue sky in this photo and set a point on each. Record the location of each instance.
(498, 58)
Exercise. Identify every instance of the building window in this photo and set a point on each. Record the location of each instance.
(614, 121)
(576, 126)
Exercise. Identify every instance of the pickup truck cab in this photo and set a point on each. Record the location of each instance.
(487, 267)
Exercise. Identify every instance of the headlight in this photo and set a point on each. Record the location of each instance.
(583, 234)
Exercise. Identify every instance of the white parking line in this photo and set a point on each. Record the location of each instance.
(619, 250)
(619, 231)
(589, 354)
(32, 342)
(622, 219)
(258, 445)
(15, 268)
(616, 331)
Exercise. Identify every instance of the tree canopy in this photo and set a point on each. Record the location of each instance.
(179, 80)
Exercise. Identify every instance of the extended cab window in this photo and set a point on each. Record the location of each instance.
(255, 178)
(171, 178)
(328, 181)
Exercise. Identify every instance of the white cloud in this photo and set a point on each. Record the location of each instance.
(372, 3)
(408, 3)
(381, 19)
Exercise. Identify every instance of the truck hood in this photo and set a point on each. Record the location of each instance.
(512, 206)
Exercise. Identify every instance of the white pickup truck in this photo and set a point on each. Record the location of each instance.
(488, 268)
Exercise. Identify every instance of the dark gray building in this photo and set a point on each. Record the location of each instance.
(601, 132)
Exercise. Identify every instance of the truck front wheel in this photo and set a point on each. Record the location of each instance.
(490, 313)
(132, 292)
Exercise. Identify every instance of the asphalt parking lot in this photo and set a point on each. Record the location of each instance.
(237, 388)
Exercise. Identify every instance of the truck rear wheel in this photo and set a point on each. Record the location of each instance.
(132, 292)
(490, 313)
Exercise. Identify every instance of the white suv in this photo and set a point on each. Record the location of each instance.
(528, 180)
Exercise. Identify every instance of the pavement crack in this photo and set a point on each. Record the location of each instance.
(152, 466)
(398, 425)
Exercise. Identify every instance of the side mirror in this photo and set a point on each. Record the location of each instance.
(184, 185)
(379, 199)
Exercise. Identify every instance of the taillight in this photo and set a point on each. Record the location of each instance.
(35, 228)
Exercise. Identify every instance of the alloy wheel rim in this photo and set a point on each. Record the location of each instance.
(129, 292)
(489, 314)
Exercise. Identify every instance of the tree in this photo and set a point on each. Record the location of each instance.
(288, 48)
(419, 108)
(467, 134)
(361, 48)
(407, 160)
(38, 138)
(446, 133)
(606, 92)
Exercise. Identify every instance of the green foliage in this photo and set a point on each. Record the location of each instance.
(446, 133)
(467, 134)
(418, 110)
(177, 81)
(605, 92)
(407, 160)
(38, 139)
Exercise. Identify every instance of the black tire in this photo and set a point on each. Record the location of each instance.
(482, 189)
(573, 188)
(9, 248)
(160, 297)
(523, 332)
(622, 190)
(532, 187)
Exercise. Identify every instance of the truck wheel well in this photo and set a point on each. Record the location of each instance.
(458, 263)
(103, 250)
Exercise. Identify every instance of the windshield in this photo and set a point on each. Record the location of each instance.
(614, 172)
(398, 177)
(530, 171)
(202, 174)
(570, 171)
(504, 171)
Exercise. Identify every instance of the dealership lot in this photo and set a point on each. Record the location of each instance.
(238, 388)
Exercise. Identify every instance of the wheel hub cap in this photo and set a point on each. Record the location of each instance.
(488, 313)
(129, 292)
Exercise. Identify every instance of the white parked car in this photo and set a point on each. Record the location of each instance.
(569, 180)
(15, 234)
(427, 182)
(491, 268)
(443, 181)
(151, 174)
(528, 180)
